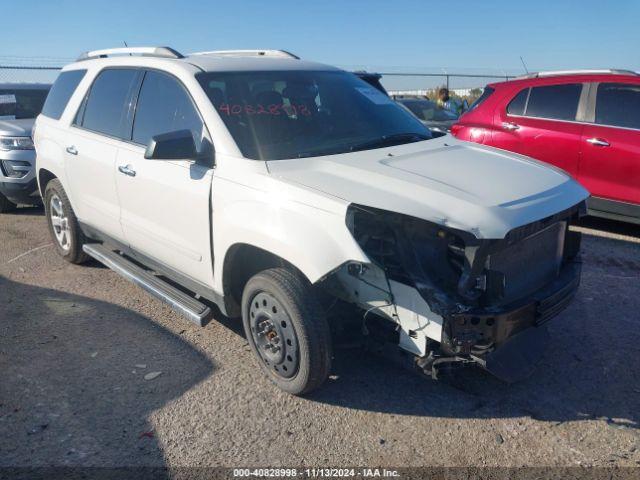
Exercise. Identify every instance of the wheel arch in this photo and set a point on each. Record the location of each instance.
(241, 262)
(44, 177)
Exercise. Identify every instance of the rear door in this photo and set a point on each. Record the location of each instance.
(610, 167)
(165, 204)
(542, 122)
(92, 147)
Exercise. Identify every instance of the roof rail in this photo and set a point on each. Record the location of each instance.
(614, 71)
(164, 52)
(249, 53)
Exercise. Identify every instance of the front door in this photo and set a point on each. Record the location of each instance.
(610, 167)
(165, 204)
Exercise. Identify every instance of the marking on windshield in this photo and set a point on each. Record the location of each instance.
(259, 109)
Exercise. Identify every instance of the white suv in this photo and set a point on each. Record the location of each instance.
(277, 188)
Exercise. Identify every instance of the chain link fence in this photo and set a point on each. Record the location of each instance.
(30, 70)
(397, 80)
(463, 82)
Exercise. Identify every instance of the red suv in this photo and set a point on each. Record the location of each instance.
(587, 123)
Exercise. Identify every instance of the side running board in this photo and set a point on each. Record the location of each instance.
(179, 301)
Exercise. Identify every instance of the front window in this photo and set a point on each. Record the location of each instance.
(618, 105)
(21, 103)
(294, 114)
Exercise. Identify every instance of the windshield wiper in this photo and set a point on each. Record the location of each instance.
(390, 140)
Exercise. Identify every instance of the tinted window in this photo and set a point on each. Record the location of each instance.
(516, 106)
(21, 103)
(429, 111)
(108, 102)
(486, 93)
(556, 101)
(61, 92)
(164, 106)
(292, 114)
(618, 104)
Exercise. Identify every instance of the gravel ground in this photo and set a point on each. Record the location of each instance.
(77, 341)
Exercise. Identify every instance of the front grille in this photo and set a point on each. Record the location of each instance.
(530, 263)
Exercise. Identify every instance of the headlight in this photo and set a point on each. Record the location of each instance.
(15, 168)
(16, 143)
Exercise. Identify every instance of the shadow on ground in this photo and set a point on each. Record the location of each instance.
(33, 211)
(610, 226)
(78, 396)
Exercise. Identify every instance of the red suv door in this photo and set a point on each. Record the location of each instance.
(540, 122)
(610, 166)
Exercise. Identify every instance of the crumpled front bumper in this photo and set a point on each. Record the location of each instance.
(509, 342)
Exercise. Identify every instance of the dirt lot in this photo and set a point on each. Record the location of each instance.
(77, 341)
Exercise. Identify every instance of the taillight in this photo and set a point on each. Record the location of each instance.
(455, 129)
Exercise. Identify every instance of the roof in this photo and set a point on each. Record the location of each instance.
(569, 75)
(212, 62)
(220, 60)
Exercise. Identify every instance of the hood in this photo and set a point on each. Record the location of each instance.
(17, 128)
(462, 185)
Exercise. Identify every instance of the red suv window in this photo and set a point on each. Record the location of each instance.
(559, 102)
(518, 104)
(618, 105)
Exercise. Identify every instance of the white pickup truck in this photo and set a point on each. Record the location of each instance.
(274, 187)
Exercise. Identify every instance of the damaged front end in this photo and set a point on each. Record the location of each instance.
(453, 298)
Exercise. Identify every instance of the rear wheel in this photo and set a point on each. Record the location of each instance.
(287, 330)
(6, 205)
(63, 224)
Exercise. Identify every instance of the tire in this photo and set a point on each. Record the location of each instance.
(6, 205)
(63, 224)
(295, 323)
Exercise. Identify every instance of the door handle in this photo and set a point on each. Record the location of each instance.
(127, 170)
(72, 150)
(510, 126)
(598, 142)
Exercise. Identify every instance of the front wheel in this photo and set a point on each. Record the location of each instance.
(287, 330)
(63, 224)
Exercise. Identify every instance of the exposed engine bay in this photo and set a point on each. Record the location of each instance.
(447, 297)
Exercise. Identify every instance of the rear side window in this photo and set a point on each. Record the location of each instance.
(559, 102)
(518, 104)
(485, 94)
(106, 108)
(163, 107)
(618, 105)
(61, 92)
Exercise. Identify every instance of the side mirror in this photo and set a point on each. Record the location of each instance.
(177, 145)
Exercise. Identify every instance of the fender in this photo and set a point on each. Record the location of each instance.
(304, 228)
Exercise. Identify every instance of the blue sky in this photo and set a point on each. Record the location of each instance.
(399, 35)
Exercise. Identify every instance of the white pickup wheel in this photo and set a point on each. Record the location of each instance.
(287, 330)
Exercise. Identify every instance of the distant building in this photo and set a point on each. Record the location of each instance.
(459, 92)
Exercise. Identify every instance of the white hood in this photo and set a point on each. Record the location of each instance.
(470, 187)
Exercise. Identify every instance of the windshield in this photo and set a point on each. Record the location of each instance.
(21, 103)
(429, 111)
(293, 114)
